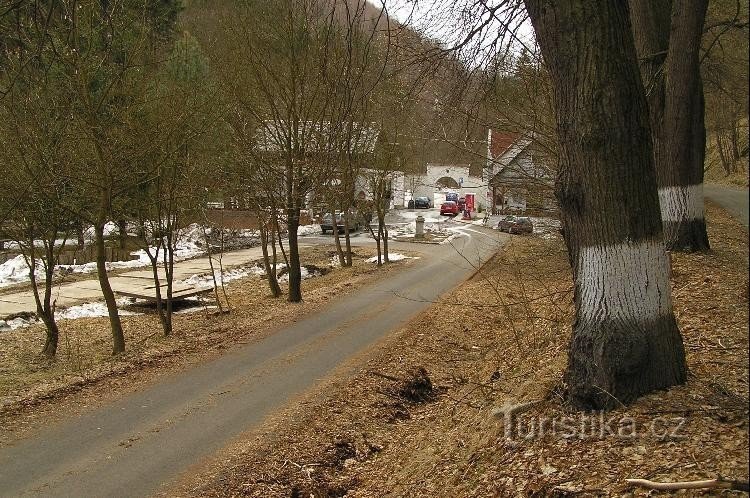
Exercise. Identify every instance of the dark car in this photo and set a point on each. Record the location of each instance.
(515, 224)
(449, 207)
(326, 224)
(451, 196)
(422, 203)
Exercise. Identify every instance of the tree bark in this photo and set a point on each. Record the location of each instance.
(337, 237)
(122, 233)
(44, 306)
(722, 155)
(273, 283)
(650, 21)
(168, 257)
(670, 46)
(154, 259)
(625, 340)
(79, 235)
(347, 239)
(295, 275)
(118, 336)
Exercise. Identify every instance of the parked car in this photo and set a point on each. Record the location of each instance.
(451, 196)
(515, 224)
(326, 224)
(449, 207)
(422, 203)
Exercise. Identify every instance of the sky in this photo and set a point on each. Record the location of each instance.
(449, 22)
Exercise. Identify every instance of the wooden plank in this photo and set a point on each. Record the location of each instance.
(150, 295)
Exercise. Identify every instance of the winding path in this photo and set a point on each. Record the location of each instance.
(137, 445)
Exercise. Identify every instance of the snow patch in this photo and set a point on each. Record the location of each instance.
(190, 244)
(306, 230)
(205, 280)
(392, 256)
(16, 323)
(86, 310)
(92, 310)
(427, 215)
(14, 271)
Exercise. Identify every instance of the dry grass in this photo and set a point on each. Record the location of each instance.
(716, 174)
(27, 379)
(502, 338)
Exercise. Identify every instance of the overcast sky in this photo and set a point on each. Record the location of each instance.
(449, 22)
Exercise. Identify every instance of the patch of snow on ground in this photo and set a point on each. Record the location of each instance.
(205, 280)
(412, 215)
(546, 227)
(408, 230)
(13, 271)
(110, 229)
(16, 323)
(305, 230)
(190, 244)
(392, 256)
(89, 310)
(86, 310)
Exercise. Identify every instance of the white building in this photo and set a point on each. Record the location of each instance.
(440, 179)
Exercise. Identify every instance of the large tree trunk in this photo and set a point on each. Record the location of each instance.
(118, 336)
(625, 340)
(669, 46)
(681, 175)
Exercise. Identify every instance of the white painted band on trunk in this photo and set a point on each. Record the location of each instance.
(683, 203)
(626, 281)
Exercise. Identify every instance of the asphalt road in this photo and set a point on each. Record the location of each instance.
(734, 200)
(137, 445)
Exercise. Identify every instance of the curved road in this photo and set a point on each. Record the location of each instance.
(137, 445)
(734, 200)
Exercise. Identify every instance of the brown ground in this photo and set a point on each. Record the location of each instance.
(33, 389)
(501, 338)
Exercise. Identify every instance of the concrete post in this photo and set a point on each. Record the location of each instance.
(420, 227)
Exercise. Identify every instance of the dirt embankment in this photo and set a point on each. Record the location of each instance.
(421, 416)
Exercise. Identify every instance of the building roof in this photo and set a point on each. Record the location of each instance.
(500, 142)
